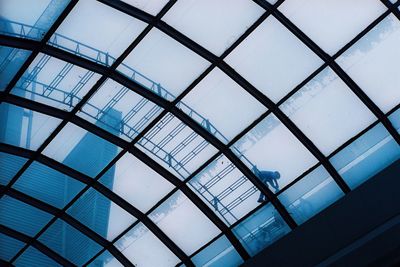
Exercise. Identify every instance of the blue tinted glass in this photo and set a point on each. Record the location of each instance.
(219, 253)
(33, 257)
(28, 19)
(23, 127)
(9, 247)
(9, 166)
(95, 211)
(310, 195)
(366, 156)
(105, 259)
(11, 59)
(69, 242)
(261, 229)
(395, 119)
(48, 185)
(22, 217)
(81, 150)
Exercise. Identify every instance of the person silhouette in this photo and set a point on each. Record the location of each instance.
(269, 178)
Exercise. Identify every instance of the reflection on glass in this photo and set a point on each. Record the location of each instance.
(11, 60)
(29, 19)
(208, 23)
(150, 6)
(219, 253)
(327, 111)
(33, 257)
(106, 259)
(218, 98)
(373, 63)
(81, 150)
(69, 242)
(23, 127)
(101, 214)
(9, 166)
(261, 229)
(176, 146)
(48, 185)
(270, 147)
(143, 248)
(225, 190)
(366, 156)
(310, 195)
(54, 82)
(137, 183)
(163, 65)
(22, 217)
(273, 59)
(97, 32)
(9, 247)
(184, 223)
(334, 23)
(119, 110)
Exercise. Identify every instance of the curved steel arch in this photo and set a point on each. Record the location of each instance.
(214, 58)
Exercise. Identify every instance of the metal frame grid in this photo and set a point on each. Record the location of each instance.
(169, 107)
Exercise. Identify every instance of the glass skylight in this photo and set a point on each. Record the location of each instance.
(158, 158)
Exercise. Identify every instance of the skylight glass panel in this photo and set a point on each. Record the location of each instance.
(395, 119)
(215, 25)
(327, 111)
(163, 65)
(150, 6)
(25, 128)
(225, 190)
(184, 223)
(9, 166)
(22, 217)
(101, 214)
(373, 63)
(81, 150)
(33, 257)
(310, 195)
(271, 147)
(143, 248)
(273, 59)
(216, 100)
(366, 156)
(97, 32)
(176, 146)
(11, 60)
(119, 110)
(219, 253)
(331, 24)
(28, 19)
(9, 247)
(48, 185)
(135, 182)
(261, 229)
(106, 259)
(80, 247)
(55, 82)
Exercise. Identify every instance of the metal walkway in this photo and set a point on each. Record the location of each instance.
(158, 141)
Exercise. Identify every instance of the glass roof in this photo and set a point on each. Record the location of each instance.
(186, 133)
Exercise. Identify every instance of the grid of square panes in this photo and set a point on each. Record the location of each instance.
(242, 108)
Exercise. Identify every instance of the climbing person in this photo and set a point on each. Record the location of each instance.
(269, 178)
